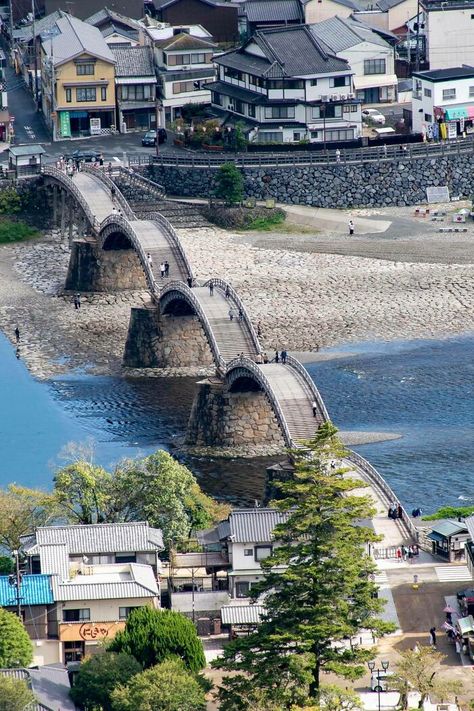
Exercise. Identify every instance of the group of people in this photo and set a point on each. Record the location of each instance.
(407, 552)
(164, 267)
(395, 511)
(74, 165)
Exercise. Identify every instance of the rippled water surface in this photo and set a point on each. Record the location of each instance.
(420, 389)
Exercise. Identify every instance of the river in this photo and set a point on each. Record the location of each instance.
(420, 389)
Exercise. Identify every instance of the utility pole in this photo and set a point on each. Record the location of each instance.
(157, 144)
(15, 580)
(10, 5)
(35, 50)
(417, 55)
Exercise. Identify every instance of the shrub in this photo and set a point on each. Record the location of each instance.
(16, 231)
(15, 645)
(99, 675)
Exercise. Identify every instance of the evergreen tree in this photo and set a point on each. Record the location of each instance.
(152, 636)
(98, 676)
(229, 184)
(317, 586)
(15, 645)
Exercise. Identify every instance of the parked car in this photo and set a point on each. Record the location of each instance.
(149, 139)
(380, 681)
(87, 155)
(373, 116)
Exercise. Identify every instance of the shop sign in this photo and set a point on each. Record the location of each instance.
(95, 126)
(88, 631)
(65, 124)
(452, 129)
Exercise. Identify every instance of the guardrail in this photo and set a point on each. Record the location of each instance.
(309, 382)
(140, 179)
(109, 183)
(170, 232)
(227, 288)
(70, 185)
(183, 289)
(247, 364)
(378, 481)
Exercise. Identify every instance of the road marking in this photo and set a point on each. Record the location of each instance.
(447, 573)
(380, 577)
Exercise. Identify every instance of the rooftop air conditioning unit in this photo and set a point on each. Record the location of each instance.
(324, 98)
(351, 96)
(343, 97)
(334, 97)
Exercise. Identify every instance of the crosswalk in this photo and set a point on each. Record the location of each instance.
(380, 577)
(453, 573)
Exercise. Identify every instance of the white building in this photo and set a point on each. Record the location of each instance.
(183, 58)
(443, 102)
(370, 57)
(389, 15)
(286, 86)
(319, 10)
(449, 33)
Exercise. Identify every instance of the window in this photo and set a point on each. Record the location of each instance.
(125, 558)
(328, 110)
(103, 93)
(242, 589)
(282, 84)
(374, 66)
(183, 87)
(270, 137)
(68, 96)
(340, 134)
(278, 112)
(427, 92)
(296, 136)
(233, 74)
(88, 94)
(125, 611)
(262, 552)
(315, 134)
(216, 98)
(339, 81)
(137, 92)
(85, 69)
(449, 94)
(428, 118)
(314, 82)
(239, 106)
(256, 81)
(248, 551)
(251, 110)
(83, 613)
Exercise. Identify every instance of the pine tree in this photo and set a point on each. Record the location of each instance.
(317, 586)
(229, 184)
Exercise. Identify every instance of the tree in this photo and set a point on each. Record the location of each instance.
(6, 565)
(99, 675)
(152, 636)
(83, 492)
(169, 686)
(418, 669)
(317, 584)
(21, 511)
(15, 645)
(10, 201)
(15, 695)
(229, 184)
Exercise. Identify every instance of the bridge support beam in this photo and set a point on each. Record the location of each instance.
(94, 269)
(243, 420)
(157, 340)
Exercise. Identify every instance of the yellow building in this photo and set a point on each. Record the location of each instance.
(78, 80)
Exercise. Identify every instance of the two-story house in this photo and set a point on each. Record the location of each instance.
(370, 57)
(119, 31)
(319, 10)
(286, 86)
(449, 30)
(135, 88)
(183, 58)
(78, 74)
(389, 15)
(99, 573)
(219, 18)
(443, 102)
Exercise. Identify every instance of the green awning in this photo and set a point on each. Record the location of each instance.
(457, 112)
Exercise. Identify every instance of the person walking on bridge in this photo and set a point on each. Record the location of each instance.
(231, 313)
(167, 269)
(314, 406)
(17, 334)
(241, 315)
(283, 356)
(149, 260)
(211, 289)
(162, 270)
(351, 227)
(277, 357)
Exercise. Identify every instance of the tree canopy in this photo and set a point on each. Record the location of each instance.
(229, 184)
(98, 676)
(15, 645)
(169, 686)
(317, 586)
(418, 669)
(152, 636)
(15, 695)
(21, 511)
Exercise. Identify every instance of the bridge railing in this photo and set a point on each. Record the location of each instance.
(119, 197)
(235, 298)
(246, 364)
(309, 382)
(189, 295)
(139, 179)
(379, 482)
(68, 183)
(127, 228)
(173, 238)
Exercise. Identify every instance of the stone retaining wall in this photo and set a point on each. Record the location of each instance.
(375, 184)
(95, 269)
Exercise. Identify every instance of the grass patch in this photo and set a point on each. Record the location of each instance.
(16, 231)
(266, 223)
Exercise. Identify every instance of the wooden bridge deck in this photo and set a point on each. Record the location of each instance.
(97, 194)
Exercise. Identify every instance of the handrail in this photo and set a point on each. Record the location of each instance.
(127, 227)
(246, 363)
(170, 232)
(100, 174)
(54, 172)
(225, 286)
(301, 370)
(139, 178)
(188, 294)
(375, 478)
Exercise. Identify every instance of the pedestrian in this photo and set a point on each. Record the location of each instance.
(231, 313)
(399, 512)
(101, 160)
(258, 358)
(17, 353)
(149, 260)
(109, 168)
(190, 283)
(241, 315)
(398, 553)
(265, 358)
(78, 297)
(283, 356)
(211, 289)
(410, 554)
(17, 334)
(75, 302)
(259, 329)
(457, 645)
(338, 155)
(351, 227)
(113, 193)
(167, 269)
(162, 270)
(314, 407)
(391, 511)
(433, 637)
(277, 357)
(227, 292)
(405, 553)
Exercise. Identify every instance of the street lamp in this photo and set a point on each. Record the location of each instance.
(373, 668)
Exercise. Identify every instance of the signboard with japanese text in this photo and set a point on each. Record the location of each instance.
(88, 631)
(95, 126)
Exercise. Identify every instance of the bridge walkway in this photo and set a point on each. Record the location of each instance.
(155, 243)
(97, 194)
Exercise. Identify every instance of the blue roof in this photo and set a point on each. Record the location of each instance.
(34, 590)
